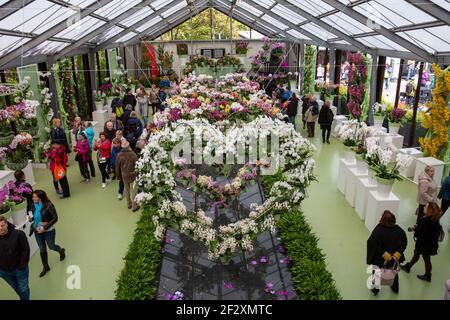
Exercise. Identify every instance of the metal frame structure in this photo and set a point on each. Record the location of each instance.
(259, 19)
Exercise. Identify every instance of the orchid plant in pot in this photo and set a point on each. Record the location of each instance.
(396, 118)
(5, 202)
(19, 211)
(19, 151)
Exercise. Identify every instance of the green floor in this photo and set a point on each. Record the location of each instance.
(95, 228)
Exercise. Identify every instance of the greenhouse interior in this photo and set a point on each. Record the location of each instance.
(224, 150)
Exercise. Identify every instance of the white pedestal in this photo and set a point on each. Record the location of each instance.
(438, 166)
(363, 186)
(350, 186)
(43, 165)
(397, 140)
(344, 167)
(376, 205)
(29, 175)
(414, 154)
(31, 240)
(101, 117)
(5, 176)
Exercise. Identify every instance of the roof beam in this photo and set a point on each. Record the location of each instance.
(103, 28)
(288, 23)
(20, 34)
(12, 6)
(432, 9)
(133, 27)
(256, 18)
(324, 25)
(52, 31)
(183, 18)
(382, 30)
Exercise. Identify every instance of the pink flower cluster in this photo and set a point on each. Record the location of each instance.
(357, 80)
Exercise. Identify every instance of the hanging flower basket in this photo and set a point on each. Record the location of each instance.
(16, 165)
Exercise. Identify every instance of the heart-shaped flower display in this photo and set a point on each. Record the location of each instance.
(222, 124)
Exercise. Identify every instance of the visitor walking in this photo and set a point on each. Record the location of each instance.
(306, 102)
(103, 146)
(292, 109)
(142, 99)
(427, 190)
(14, 257)
(22, 185)
(44, 218)
(117, 123)
(312, 114)
(82, 156)
(116, 148)
(386, 246)
(126, 172)
(58, 158)
(444, 194)
(129, 98)
(58, 134)
(387, 75)
(90, 135)
(426, 234)
(154, 98)
(410, 92)
(134, 129)
(126, 115)
(326, 117)
(109, 131)
(117, 106)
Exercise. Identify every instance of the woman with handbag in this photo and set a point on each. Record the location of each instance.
(58, 166)
(44, 218)
(82, 149)
(386, 245)
(427, 234)
(103, 146)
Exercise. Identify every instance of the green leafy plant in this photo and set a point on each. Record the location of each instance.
(138, 279)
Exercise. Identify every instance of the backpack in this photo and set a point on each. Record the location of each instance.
(315, 110)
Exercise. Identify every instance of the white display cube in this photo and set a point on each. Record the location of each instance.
(29, 175)
(396, 140)
(350, 186)
(337, 121)
(344, 167)
(5, 176)
(101, 117)
(376, 205)
(438, 166)
(334, 109)
(414, 154)
(363, 186)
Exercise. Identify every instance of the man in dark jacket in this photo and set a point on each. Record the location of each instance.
(386, 245)
(110, 132)
(134, 129)
(117, 123)
(57, 134)
(129, 98)
(14, 257)
(126, 172)
(326, 117)
(292, 109)
(117, 106)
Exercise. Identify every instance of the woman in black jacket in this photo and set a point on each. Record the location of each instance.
(386, 245)
(44, 219)
(426, 234)
(306, 99)
(326, 117)
(21, 182)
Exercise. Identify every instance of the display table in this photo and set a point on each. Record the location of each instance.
(5, 176)
(337, 121)
(334, 109)
(344, 167)
(363, 186)
(101, 117)
(376, 205)
(29, 175)
(350, 187)
(438, 166)
(414, 154)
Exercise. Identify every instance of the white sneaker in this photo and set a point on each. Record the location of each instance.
(119, 196)
(103, 185)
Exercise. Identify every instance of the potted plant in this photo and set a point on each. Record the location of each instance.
(20, 150)
(360, 154)
(99, 98)
(396, 118)
(379, 111)
(19, 209)
(241, 48)
(5, 202)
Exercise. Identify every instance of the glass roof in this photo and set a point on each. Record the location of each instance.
(407, 27)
